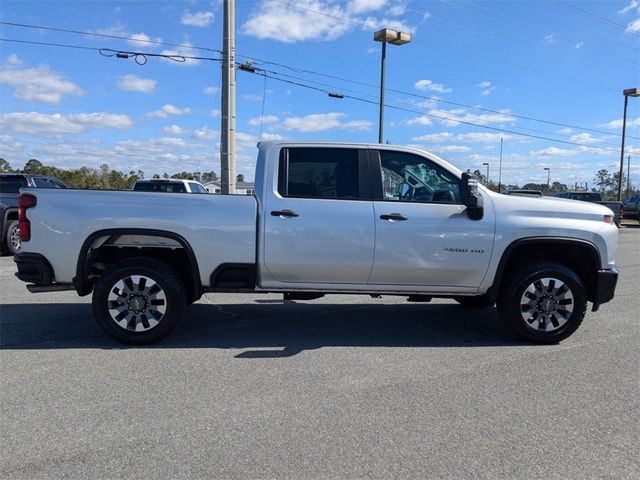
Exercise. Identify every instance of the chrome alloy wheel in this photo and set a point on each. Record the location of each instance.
(546, 305)
(14, 238)
(137, 303)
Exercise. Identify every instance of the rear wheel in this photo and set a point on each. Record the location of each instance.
(13, 237)
(544, 302)
(139, 301)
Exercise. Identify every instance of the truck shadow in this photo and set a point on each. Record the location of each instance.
(271, 330)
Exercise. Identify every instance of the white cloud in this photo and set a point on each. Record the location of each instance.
(470, 137)
(487, 88)
(173, 130)
(39, 84)
(215, 113)
(584, 138)
(251, 97)
(197, 19)
(13, 59)
(285, 23)
(550, 38)
(554, 152)
(205, 133)
(210, 90)
(361, 6)
(450, 118)
(139, 39)
(263, 120)
(36, 123)
(450, 149)
(134, 83)
(266, 137)
(168, 110)
(579, 45)
(422, 120)
(617, 124)
(428, 85)
(319, 122)
(634, 26)
(633, 5)
(10, 147)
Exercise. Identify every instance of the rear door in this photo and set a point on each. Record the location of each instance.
(318, 225)
(423, 234)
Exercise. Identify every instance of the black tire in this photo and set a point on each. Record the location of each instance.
(531, 296)
(479, 301)
(12, 237)
(134, 311)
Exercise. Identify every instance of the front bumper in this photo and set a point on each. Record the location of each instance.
(606, 281)
(33, 268)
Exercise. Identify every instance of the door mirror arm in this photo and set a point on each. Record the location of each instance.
(471, 197)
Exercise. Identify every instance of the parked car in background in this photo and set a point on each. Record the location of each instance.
(594, 197)
(169, 186)
(631, 206)
(526, 193)
(10, 185)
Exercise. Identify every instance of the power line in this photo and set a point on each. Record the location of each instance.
(108, 52)
(104, 35)
(141, 59)
(448, 47)
(434, 99)
(587, 13)
(261, 72)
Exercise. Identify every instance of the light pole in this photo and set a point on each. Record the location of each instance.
(548, 178)
(487, 165)
(394, 38)
(628, 175)
(629, 92)
(500, 169)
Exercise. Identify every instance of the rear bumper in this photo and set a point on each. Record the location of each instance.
(33, 268)
(605, 286)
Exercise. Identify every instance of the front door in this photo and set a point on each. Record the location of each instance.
(318, 226)
(423, 234)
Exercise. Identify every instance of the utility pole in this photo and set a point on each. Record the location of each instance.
(228, 116)
(628, 175)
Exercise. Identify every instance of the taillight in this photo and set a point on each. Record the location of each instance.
(25, 201)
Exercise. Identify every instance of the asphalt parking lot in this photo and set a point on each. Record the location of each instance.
(341, 387)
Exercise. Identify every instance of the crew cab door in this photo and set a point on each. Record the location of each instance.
(318, 221)
(423, 234)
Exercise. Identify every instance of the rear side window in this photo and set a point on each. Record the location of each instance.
(331, 173)
(12, 184)
(41, 182)
(586, 197)
(160, 187)
(196, 188)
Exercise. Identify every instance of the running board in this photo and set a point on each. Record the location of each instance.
(56, 287)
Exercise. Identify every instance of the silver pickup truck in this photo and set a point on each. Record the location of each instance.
(326, 218)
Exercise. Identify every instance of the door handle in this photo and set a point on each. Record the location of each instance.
(284, 213)
(394, 217)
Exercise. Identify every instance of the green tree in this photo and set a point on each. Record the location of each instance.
(5, 167)
(33, 166)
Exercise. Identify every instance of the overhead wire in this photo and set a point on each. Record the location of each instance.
(599, 18)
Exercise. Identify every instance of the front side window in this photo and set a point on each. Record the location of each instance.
(330, 173)
(410, 178)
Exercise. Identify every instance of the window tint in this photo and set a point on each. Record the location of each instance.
(319, 173)
(12, 184)
(195, 188)
(411, 178)
(586, 197)
(41, 182)
(160, 187)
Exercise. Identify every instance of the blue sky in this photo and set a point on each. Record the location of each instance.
(487, 63)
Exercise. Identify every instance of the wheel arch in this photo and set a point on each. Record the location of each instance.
(579, 255)
(189, 271)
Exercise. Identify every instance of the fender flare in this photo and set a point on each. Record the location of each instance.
(84, 259)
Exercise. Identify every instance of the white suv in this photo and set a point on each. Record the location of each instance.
(169, 186)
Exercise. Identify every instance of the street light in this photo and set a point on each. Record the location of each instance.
(487, 165)
(548, 178)
(386, 35)
(629, 92)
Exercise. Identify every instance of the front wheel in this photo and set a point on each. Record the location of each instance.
(542, 301)
(139, 301)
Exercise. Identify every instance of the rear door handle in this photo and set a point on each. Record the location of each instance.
(284, 213)
(394, 217)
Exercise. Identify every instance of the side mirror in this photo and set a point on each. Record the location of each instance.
(471, 198)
